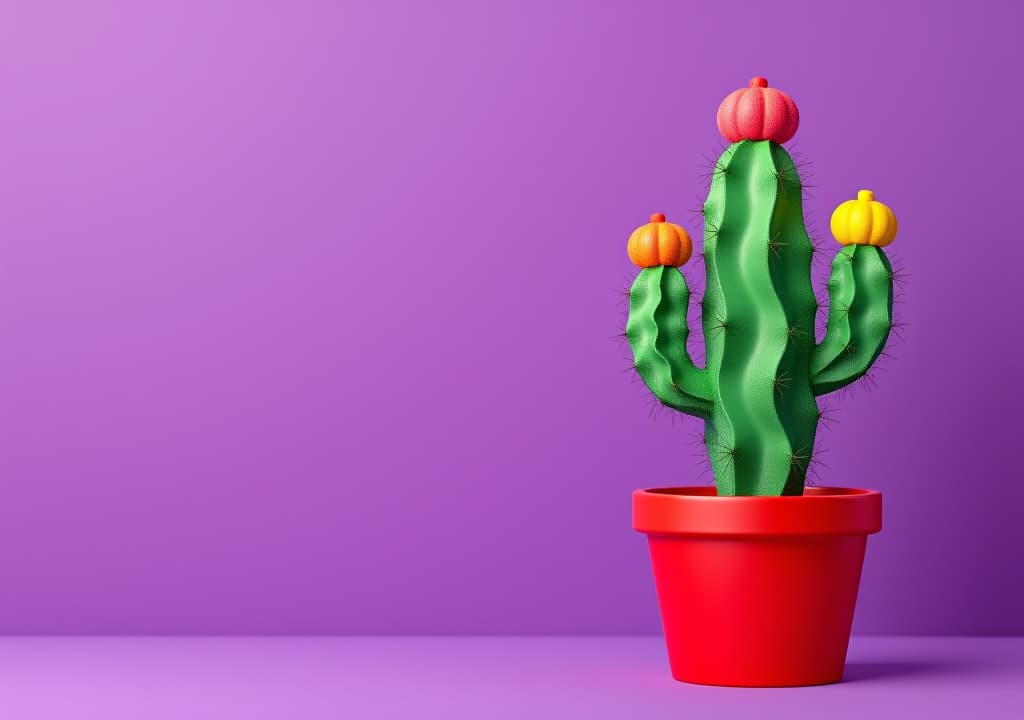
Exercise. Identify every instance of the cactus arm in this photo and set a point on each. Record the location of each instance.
(859, 319)
(657, 331)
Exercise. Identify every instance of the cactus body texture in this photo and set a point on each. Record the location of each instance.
(756, 393)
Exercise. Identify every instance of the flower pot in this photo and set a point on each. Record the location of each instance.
(757, 591)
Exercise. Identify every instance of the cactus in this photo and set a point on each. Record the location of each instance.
(757, 391)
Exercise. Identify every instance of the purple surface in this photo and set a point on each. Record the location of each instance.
(306, 306)
(454, 678)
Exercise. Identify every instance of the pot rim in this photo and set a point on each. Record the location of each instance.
(698, 511)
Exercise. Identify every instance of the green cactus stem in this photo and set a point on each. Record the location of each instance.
(756, 393)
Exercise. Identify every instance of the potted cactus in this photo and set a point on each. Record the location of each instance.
(757, 577)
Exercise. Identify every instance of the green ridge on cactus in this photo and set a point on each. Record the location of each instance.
(757, 391)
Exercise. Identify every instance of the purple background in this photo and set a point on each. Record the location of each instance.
(306, 307)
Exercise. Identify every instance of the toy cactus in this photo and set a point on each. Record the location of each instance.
(757, 393)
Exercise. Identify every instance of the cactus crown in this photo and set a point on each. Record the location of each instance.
(756, 393)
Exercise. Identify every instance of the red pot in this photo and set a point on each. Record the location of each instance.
(757, 591)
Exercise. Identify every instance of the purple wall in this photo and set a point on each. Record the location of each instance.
(306, 307)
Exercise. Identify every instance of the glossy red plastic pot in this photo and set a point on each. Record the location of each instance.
(757, 591)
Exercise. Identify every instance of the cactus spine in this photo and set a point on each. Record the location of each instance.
(756, 393)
